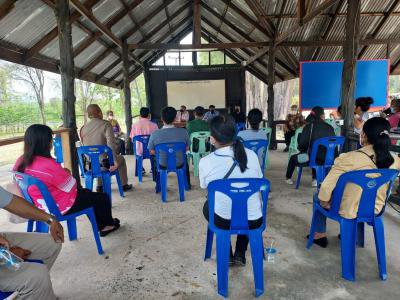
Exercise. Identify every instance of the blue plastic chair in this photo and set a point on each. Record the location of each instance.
(25, 181)
(95, 154)
(142, 140)
(331, 144)
(352, 230)
(260, 147)
(239, 190)
(240, 126)
(4, 295)
(58, 149)
(169, 151)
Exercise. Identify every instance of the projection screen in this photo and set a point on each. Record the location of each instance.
(196, 93)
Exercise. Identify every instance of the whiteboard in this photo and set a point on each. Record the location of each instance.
(196, 93)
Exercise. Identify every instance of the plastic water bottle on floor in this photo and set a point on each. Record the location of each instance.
(9, 259)
(271, 251)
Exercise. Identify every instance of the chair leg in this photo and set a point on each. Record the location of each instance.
(72, 232)
(196, 159)
(29, 227)
(257, 255)
(163, 185)
(348, 232)
(139, 168)
(312, 229)
(106, 178)
(181, 184)
(119, 183)
(379, 234)
(223, 250)
(360, 234)
(89, 182)
(300, 170)
(42, 227)
(209, 244)
(92, 220)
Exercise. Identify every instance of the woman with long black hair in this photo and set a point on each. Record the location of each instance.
(230, 160)
(37, 162)
(374, 154)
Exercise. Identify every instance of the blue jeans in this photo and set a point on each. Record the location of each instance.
(320, 219)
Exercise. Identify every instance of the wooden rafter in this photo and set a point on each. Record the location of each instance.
(221, 22)
(168, 17)
(380, 25)
(6, 7)
(282, 37)
(197, 22)
(126, 7)
(301, 10)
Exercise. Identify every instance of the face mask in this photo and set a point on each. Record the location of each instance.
(392, 110)
(237, 110)
(182, 110)
(212, 111)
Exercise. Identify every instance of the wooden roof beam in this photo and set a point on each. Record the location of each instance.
(126, 6)
(380, 25)
(6, 8)
(100, 26)
(282, 37)
(197, 22)
(301, 10)
(258, 11)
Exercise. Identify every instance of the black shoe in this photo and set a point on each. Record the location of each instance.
(107, 232)
(322, 242)
(127, 187)
(99, 189)
(239, 259)
(117, 221)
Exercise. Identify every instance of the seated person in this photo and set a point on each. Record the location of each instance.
(117, 131)
(217, 165)
(394, 118)
(143, 127)
(196, 125)
(168, 134)
(294, 120)
(315, 129)
(37, 162)
(99, 132)
(182, 115)
(238, 115)
(374, 154)
(361, 114)
(31, 280)
(211, 113)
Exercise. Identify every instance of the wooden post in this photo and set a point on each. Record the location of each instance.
(196, 22)
(67, 72)
(127, 94)
(270, 108)
(350, 52)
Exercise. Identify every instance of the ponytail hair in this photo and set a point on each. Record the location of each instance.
(377, 132)
(223, 130)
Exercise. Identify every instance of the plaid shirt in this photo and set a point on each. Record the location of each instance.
(294, 121)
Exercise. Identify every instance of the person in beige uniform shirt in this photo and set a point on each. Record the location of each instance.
(374, 154)
(99, 132)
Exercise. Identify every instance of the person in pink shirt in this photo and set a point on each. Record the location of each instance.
(37, 162)
(395, 116)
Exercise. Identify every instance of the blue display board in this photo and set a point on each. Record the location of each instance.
(321, 83)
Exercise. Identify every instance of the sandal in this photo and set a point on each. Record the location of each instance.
(107, 232)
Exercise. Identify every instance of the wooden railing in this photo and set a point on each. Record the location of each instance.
(65, 141)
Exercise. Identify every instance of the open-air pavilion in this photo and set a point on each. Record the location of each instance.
(159, 251)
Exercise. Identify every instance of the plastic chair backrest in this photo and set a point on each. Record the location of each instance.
(95, 153)
(239, 191)
(142, 140)
(240, 126)
(260, 147)
(331, 144)
(202, 137)
(170, 151)
(268, 132)
(25, 181)
(58, 149)
(370, 182)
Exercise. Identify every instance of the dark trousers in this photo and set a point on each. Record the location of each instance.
(293, 163)
(242, 241)
(121, 144)
(155, 173)
(195, 145)
(288, 137)
(101, 205)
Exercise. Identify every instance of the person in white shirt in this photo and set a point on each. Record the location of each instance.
(182, 115)
(361, 114)
(230, 151)
(211, 113)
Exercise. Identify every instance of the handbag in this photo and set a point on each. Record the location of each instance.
(303, 158)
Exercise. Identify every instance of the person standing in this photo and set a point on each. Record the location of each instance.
(99, 132)
(238, 115)
(211, 113)
(117, 132)
(294, 120)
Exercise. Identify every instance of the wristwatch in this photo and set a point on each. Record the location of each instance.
(50, 220)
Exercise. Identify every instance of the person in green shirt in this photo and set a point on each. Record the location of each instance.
(196, 125)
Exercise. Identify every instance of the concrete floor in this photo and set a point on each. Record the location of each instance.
(158, 252)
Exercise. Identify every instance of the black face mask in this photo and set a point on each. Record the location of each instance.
(182, 110)
(237, 110)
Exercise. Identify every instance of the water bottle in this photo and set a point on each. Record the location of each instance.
(270, 251)
(9, 259)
